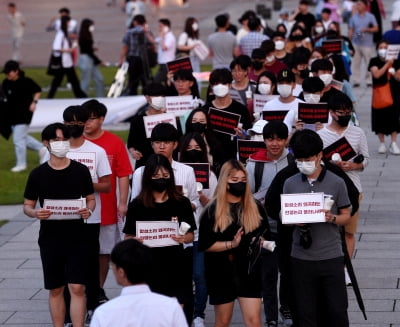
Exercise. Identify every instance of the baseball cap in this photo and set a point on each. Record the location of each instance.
(258, 127)
(285, 75)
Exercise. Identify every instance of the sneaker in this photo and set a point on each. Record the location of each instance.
(286, 316)
(68, 324)
(18, 169)
(102, 296)
(88, 318)
(347, 277)
(394, 149)
(382, 148)
(271, 324)
(42, 154)
(198, 322)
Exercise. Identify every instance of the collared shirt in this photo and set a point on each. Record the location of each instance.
(250, 41)
(168, 54)
(360, 22)
(184, 176)
(132, 40)
(17, 22)
(138, 306)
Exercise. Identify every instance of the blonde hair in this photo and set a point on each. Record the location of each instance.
(249, 216)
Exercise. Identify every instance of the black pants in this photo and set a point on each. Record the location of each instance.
(161, 75)
(137, 74)
(71, 78)
(269, 261)
(320, 285)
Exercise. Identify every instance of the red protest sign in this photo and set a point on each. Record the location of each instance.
(181, 63)
(311, 113)
(246, 148)
(341, 146)
(223, 121)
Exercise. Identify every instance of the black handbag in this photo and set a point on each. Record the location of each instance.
(55, 64)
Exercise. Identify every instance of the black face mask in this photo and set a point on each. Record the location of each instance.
(194, 155)
(160, 184)
(257, 65)
(197, 127)
(297, 37)
(237, 189)
(343, 120)
(75, 130)
(304, 73)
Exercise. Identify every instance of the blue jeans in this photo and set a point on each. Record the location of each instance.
(23, 140)
(200, 296)
(90, 71)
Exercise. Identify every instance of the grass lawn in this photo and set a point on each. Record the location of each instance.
(12, 184)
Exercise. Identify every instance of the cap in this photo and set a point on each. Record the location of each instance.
(10, 65)
(285, 75)
(164, 132)
(258, 127)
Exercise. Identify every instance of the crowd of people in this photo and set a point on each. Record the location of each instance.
(197, 207)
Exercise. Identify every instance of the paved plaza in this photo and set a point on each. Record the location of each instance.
(23, 301)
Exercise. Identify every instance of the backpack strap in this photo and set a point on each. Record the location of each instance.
(258, 173)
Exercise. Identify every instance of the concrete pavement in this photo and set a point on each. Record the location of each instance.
(23, 301)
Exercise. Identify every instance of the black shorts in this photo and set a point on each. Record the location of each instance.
(230, 295)
(63, 263)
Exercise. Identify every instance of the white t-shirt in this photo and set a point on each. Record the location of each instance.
(185, 40)
(61, 42)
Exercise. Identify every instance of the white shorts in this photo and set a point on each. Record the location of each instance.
(109, 236)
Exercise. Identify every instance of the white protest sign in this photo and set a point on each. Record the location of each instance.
(301, 208)
(392, 51)
(86, 158)
(64, 209)
(157, 233)
(201, 50)
(259, 100)
(153, 120)
(179, 105)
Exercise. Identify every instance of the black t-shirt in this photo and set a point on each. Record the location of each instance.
(229, 143)
(377, 62)
(171, 273)
(72, 182)
(331, 92)
(19, 96)
(308, 20)
(229, 268)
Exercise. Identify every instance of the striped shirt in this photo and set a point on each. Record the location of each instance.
(358, 141)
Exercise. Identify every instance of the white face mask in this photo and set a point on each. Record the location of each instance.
(165, 29)
(220, 90)
(326, 78)
(285, 90)
(91, 28)
(158, 103)
(270, 58)
(195, 26)
(319, 29)
(382, 53)
(312, 98)
(279, 45)
(59, 148)
(306, 167)
(264, 88)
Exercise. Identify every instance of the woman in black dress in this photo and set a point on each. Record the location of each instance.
(159, 202)
(227, 226)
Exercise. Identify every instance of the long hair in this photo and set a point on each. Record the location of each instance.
(153, 164)
(249, 216)
(184, 143)
(64, 25)
(84, 34)
(189, 30)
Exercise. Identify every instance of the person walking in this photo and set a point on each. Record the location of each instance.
(62, 47)
(22, 95)
(88, 61)
(17, 23)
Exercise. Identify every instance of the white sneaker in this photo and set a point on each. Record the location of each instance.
(42, 154)
(18, 169)
(382, 148)
(198, 322)
(347, 277)
(394, 149)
